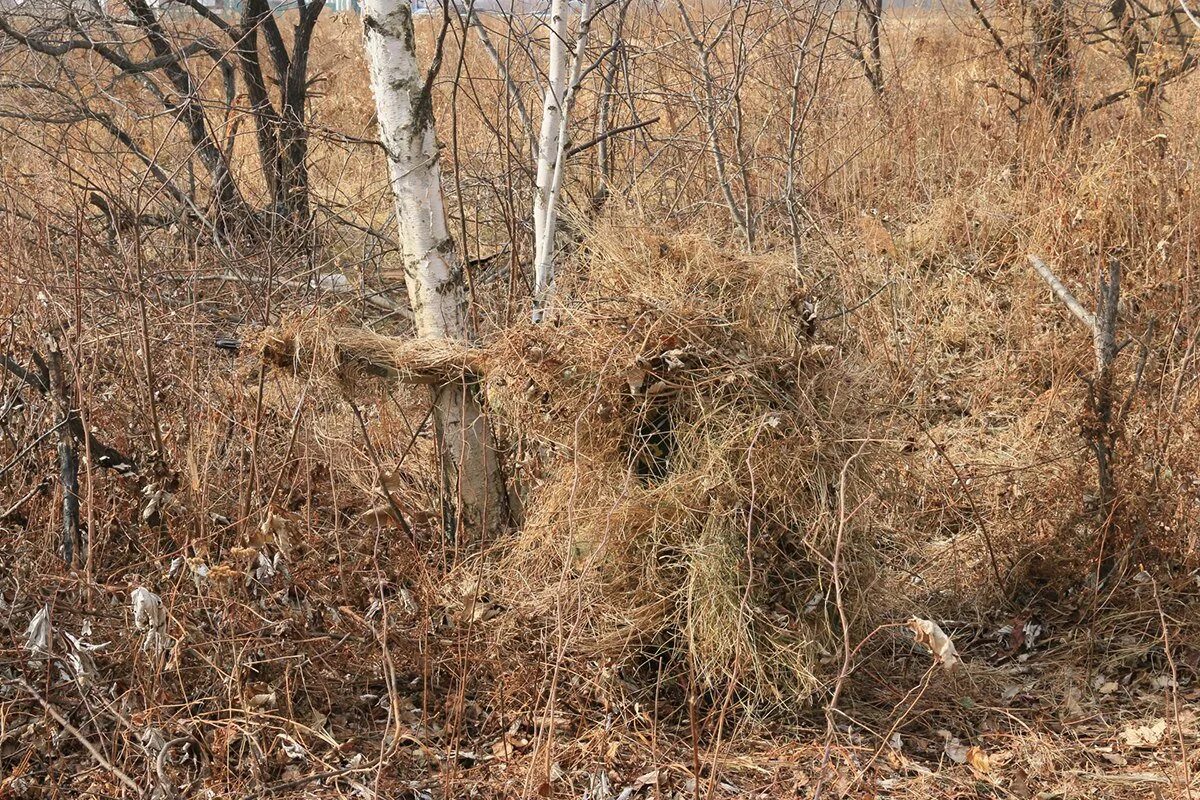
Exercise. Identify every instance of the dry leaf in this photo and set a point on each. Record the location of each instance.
(37, 635)
(79, 657)
(382, 515)
(1020, 785)
(279, 528)
(262, 700)
(1146, 735)
(978, 760)
(956, 751)
(931, 635)
(149, 616)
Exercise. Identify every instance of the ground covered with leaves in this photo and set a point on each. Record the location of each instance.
(270, 606)
(813, 518)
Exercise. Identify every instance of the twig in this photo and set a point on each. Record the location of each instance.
(12, 510)
(107, 457)
(374, 455)
(847, 311)
(83, 740)
(1166, 638)
(1183, 4)
(590, 143)
(317, 776)
(847, 650)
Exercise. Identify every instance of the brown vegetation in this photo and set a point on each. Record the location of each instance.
(736, 472)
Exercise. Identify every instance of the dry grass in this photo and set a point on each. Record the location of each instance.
(693, 445)
(688, 454)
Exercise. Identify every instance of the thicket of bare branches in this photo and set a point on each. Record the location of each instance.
(365, 431)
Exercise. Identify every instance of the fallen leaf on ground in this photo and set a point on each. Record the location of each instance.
(978, 760)
(954, 749)
(1146, 735)
(37, 635)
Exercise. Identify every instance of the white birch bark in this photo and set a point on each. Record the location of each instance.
(545, 255)
(549, 141)
(433, 270)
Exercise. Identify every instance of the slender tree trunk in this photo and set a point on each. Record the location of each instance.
(1052, 60)
(549, 144)
(190, 110)
(433, 268)
(603, 159)
(294, 132)
(707, 107)
(266, 118)
(872, 58)
(68, 456)
(552, 189)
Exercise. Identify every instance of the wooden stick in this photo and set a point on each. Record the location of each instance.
(83, 740)
(1063, 292)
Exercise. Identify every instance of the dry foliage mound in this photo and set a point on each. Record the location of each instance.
(689, 460)
(687, 453)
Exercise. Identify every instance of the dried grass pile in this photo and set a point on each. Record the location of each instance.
(693, 458)
(689, 456)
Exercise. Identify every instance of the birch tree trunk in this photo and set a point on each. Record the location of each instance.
(553, 192)
(433, 269)
(549, 144)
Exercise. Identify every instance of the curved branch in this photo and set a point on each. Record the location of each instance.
(112, 56)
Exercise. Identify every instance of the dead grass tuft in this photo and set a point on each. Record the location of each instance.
(693, 442)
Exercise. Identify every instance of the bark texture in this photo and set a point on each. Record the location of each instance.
(1053, 68)
(549, 147)
(433, 269)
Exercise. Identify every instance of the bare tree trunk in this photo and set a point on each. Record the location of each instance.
(68, 457)
(190, 111)
(433, 269)
(872, 54)
(548, 141)
(603, 159)
(742, 218)
(266, 118)
(1102, 436)
(294, 133)
(1099, 428)
(1053, 68)
(550, 191)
